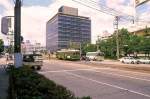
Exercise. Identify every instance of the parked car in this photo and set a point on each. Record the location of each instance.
(144, 60)
(129, 60)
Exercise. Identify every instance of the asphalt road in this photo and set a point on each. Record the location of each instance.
(97, 82)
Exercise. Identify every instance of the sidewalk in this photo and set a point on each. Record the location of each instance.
(4, 82)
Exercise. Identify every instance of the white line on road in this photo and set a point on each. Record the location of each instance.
(43, 72)
(114, 86)
(95, 70)
(133, 72)
(123, 70)
(89, 66)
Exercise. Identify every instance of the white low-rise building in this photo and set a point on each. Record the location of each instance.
(28, 47)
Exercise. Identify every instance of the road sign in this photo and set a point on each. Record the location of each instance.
(5, 25)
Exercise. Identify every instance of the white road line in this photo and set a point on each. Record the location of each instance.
(114, 86)
(123, 70)
(95, 70)
(133, 72)
(43, 72)
(111, 68)
(76, 64)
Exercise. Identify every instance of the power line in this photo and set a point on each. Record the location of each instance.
(111, 9)
(92, 4)
(92, 7)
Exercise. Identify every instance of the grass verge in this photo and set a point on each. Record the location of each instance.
(28, 84)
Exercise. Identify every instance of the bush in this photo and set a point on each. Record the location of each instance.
(27, 84)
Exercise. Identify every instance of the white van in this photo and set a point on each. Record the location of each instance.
(95, 56)
(35, 61)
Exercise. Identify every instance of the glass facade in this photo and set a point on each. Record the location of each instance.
(63, 29)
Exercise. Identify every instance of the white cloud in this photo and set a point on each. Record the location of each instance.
(121, 7)
(34, 18)
(6, 4)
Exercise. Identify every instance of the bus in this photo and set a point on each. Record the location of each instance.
(68, 54)
(95, 56)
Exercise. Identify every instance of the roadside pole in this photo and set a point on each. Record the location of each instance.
(80, 50)
(97, 43)
(17, 34)
(117, 39)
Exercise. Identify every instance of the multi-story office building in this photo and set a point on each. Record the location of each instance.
(66, 27)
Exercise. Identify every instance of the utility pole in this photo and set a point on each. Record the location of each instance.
(80, 50)
(17, 34)
(97, 42)
(117, 39)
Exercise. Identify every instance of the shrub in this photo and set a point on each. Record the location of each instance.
(28, 84)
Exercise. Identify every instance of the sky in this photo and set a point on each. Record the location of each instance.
(35, 14)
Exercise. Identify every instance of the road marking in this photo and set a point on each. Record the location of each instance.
(95, 70)
(120, 69)
(43, 72)
(89, 65)
(133, 72)
(114, 86)
(74, 64)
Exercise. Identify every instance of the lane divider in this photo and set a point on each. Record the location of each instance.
(110, 85)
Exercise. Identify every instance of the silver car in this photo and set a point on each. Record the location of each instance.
(144, 61)
(129, 60)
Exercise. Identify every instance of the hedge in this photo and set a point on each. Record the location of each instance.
(28, 84)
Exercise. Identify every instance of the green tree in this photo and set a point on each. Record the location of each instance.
(128, 44)
(87, 47)
(145, 46)
(109, 46)
(1, 46)
(147, 31)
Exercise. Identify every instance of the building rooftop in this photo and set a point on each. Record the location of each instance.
(68, 10)
(81, 17)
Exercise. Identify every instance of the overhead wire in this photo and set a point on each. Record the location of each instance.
(107, 10)
(92, 7)
(92, 4)
(139, 20)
